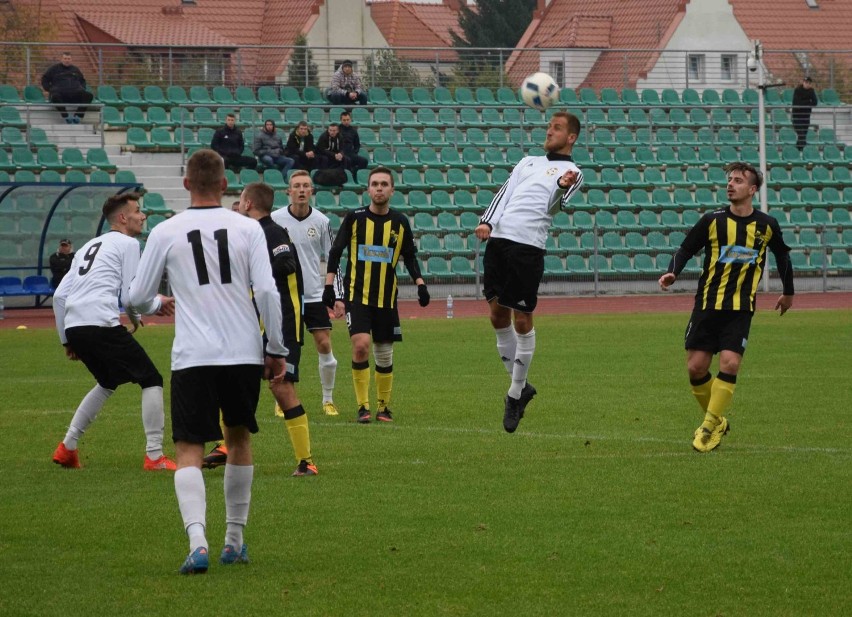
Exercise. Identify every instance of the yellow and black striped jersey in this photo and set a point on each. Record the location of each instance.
(375, 243)
(288, 278)
(734, 258)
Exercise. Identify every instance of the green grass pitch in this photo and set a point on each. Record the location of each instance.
(596, 506)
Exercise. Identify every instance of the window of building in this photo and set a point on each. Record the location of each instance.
(696, 67)
(557, 71)
(729, 67)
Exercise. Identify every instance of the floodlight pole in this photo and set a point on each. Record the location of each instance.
(757, 56)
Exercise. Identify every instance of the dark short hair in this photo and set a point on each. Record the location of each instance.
(303, 123)
(345, 112)
(380, 170)
(231, 114)
(261, 195)
(808, 79)
(331, 124)
(204, 171)
(746, 168)
(115, 203)
(572, 120)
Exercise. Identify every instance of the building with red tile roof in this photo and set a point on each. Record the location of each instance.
(417, 24)
(613, 43)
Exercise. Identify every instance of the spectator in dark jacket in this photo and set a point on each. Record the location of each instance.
(269, 149)
(65, 83)
(60, 262)
(300, 147)
(228, 142)
(329, 148)
(804, 100)
(351, 144)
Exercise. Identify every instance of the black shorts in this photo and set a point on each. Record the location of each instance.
(316, 316)
(513, 272)
(113, 356)
(383, 323)
(715, 331)
(200, 392)
(294, 355)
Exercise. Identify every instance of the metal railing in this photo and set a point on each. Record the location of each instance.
(23, 63)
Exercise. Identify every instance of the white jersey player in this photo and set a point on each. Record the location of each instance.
(311, 233)
(86, 306)
(214, 259)
(517, 223)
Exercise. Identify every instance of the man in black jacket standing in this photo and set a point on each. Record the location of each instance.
(804, 100)
(65, 83)
(228, 142)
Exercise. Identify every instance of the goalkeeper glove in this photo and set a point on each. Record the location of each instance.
(423, 295)
(328, 297)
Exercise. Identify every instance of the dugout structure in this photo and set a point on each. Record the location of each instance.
(34, 217)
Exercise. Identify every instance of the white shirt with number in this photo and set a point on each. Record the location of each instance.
(97, 283)
(214, 259)
(523, 208)
(312, 237)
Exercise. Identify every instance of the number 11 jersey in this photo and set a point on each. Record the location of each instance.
(214, 259)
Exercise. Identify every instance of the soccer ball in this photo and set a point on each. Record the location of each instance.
(540, 91)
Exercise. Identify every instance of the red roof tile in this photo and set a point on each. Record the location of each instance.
(600, 24)
(413, 24)
(778, 24)
(220, 23)
(790, 24)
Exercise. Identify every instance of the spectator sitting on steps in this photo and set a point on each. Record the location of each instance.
(65, 83)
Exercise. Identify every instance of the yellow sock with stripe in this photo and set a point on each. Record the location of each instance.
(701, 389)
(361, 381)
(384, 385)
(720, 399)
(221, 442)
(296, 421)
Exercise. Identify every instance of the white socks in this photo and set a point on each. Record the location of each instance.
(153, 420)
(327, 371)
(86, 413)
(238, 479)
(507, 341)
(192, 500)
(521, 365)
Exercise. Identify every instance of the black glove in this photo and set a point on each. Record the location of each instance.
(328, 297)
(423, 295)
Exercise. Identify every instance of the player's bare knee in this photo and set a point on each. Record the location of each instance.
(523, 322)
(729, 362)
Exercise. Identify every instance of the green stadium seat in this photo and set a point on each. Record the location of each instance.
(22, 158)
(267, 95)
(405, 157)
(581, 220)
(9, 95)
(485, 96)
(244, 95)
(223, 96)
(831, 197)
(312, 95)
(464, 201)
(130, 95)
(428, 158)
(434, 178)
(48, 158)
(98, 158)
(507, 97)
(604, 219)
(106, 95)
(76, 176)
(430, 245)
(443, 96)
(423, 222)
(840, 261)
(447, 221)
(711, 97)
(450, 157)
(670, 97)
(650, 97)
(469, 220)
(200, 95)
(438, 268)
(750, 97)
(98, 176)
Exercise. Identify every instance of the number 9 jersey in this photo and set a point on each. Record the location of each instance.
(98, 280)
(214, 259)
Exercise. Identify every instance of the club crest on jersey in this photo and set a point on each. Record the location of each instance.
(312, 232)
(393, 238)
(758, 239)
(552, 171)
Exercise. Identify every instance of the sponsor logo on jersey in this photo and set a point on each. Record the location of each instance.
(282, 248)
(733, 254)
(371, 252)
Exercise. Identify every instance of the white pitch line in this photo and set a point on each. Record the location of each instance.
(739, 447)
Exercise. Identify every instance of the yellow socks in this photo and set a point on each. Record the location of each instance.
(384, 385)
(701, 389)
(361, 380)
(721, 394)
(300, 436)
